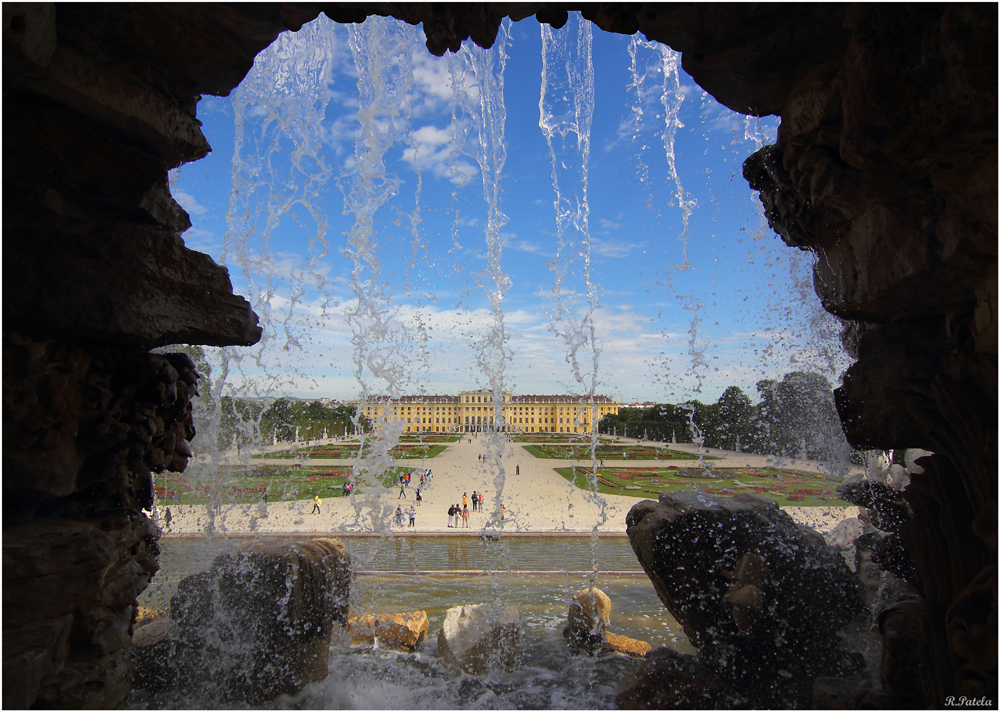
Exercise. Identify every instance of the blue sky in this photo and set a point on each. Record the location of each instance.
(679, 313)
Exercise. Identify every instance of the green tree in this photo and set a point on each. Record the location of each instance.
(277, 422)
(735, 416)
(796, 417)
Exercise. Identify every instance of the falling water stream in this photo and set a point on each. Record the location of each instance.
(282, 170)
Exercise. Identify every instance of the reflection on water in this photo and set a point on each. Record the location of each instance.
(540, 576)
(436, 553)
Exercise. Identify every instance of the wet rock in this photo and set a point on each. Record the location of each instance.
(905, 666)
(481, 638)
(853, 693)
(396, 630)
(763, 599)
(156, 645)
(69, 588)
(971, 625)
(888, 511)
(614, 643)
(257, 624)
(667, 679)
(893, 555)
(145, 616)
(588, 619)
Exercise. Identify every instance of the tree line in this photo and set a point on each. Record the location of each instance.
(242, 422)
(245, 422)
(794, 417)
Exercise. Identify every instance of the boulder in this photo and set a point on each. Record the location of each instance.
(667, 679)
(614, 643)
(763, 599)
(887, 509)
(144, 616)
(402, 630)
(257, 624)
(853, 693)
(588, 619)
(480, 638)
(155, 646)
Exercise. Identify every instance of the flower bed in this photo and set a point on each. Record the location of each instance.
(784, 488)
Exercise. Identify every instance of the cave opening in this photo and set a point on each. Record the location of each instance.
(892, 189)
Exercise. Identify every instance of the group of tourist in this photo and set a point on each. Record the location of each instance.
(404, 482)
(412, 511)
(458, 514)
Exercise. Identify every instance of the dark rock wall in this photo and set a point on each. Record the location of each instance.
(885, 168)
(99, 103)
(83, 427)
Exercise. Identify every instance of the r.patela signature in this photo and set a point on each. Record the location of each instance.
(963, 701)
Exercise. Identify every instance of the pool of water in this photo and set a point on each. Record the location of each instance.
(538, 575)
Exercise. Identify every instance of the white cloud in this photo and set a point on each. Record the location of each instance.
(431, 149)
(187, 201)
(612, 248)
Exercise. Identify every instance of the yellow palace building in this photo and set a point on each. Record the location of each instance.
(473, 411)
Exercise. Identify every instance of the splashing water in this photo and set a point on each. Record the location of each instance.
(566, 109)
(478, 86)
(655, 70)
(282, 167)
(382, 49)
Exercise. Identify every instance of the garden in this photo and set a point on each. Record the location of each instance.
(786, 487)
(248, 485)
(608, 451)
(407, 449)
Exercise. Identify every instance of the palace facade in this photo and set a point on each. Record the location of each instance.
(473, 411)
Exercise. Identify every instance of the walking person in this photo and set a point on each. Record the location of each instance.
(413, 516)
(402, 490)
(419, 498)
(316, 503)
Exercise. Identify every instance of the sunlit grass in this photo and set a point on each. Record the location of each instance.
(248, 485)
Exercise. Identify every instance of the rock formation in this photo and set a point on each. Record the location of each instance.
(394, 630)
(587, 626)
(765, 601)
(588, 619)
(614, 643)
(666, 680)
(884, 168)
(480, 638)
(255, 625)
(83, 428)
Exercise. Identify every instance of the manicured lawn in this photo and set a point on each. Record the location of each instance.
(786, 487)
(551, 437)
(608, 451)
(406, 450)
(247, 485)
(430, 438)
